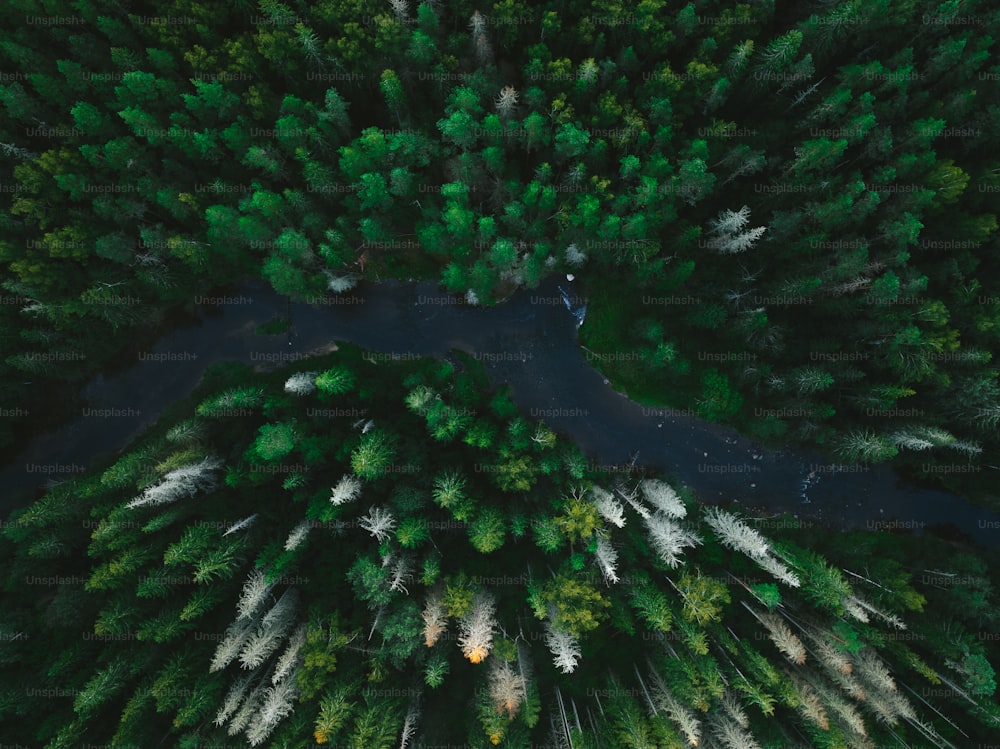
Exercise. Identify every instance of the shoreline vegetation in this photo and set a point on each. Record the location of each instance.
(185, 588)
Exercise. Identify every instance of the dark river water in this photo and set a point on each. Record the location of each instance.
(529, 342)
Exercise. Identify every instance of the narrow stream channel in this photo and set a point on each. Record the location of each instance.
(529, 342)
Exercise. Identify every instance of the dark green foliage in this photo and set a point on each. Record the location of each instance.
(314, 144)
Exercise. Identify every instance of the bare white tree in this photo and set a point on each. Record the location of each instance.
(346, 491)
(811, 705)
(730, 222)
(400, 574)
(409, 726)
(735, 534)
(506, 101)
(854, 608)
(663, 497)
(782, 637)
(742, 242)
(607, 559)
(477, 24)
(301, 383)
(290, 660)
(845, 710)
(574, 257)
(280, 615)
(401, 9)
(241, 524)
(476, 628)
(259, 647)
(734, 709)
(727, 232)
(255, 592)
(378, 522)
(435, 619)
(910, 441)
(643, 511)
(237, 635)
(731, 735)
(185, 481)
(564, 647)
(506, 688)
(779, 570)
(233, 698)
(609, 507)
(873, 670)
(338, 284)
(888, 618)
(297, 535)
(484, 50)
(669, 539)
(278, 702)
(833, 660)
(246, 713)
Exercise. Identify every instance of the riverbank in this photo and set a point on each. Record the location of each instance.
(529, 343)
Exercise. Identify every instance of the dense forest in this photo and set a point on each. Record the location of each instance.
(781, 216)
(781, 213)
(373, 555)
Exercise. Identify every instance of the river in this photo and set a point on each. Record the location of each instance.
(529, 342)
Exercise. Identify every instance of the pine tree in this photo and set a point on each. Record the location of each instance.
(607, 559)
(669, 539)
(573, 256)
(288, 664)
(297, 535)
(347, 490)
(301, 383)
(409, 725)
(435, 619)
(506, 101)
(731, 735)
(564, 647)
(609, 507)
(233, 699)
(401, 10)
(232, 644)
(727, 232)
(334, 710)
(255, 592)
(379, 523)
(780, 571)
(506, 688)
(476, 628)
(866, 447)
(782, 637)
(371, 458)
(185, 481)
(335, 381)
(680, 714)
(277, 703)
(663, 498)
(240, 524)
(735, 534)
